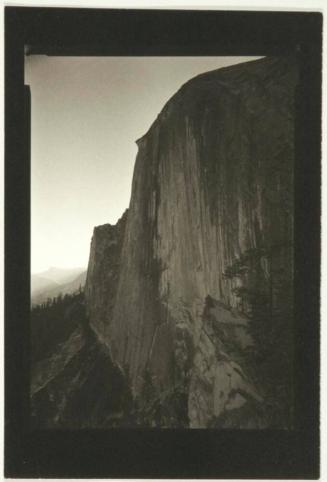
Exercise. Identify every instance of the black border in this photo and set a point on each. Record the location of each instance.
(164, 453)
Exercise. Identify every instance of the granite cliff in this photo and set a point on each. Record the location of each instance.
(210, 224)
(189, 297)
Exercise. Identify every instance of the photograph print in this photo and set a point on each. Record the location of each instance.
(162, 226)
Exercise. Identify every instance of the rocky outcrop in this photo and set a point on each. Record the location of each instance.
(74, 383)
(102, 274)
(219, 383)
(77, 386)
(211, 213)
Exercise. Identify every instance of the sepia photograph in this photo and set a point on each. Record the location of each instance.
(162, 243)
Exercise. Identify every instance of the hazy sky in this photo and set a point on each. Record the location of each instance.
(87, 113)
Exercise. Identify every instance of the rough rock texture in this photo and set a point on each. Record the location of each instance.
(213, 179)
(219, 383)
(77, 386)
(103, 273)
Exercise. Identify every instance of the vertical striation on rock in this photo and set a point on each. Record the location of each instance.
(103, 273)
(210, 220)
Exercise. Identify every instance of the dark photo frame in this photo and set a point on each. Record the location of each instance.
(146, 453)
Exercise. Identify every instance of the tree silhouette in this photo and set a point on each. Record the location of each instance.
(266, 295)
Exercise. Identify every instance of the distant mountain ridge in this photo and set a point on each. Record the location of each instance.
(54, 281)
(59, 275)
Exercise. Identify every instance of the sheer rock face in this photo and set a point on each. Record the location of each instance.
(103, 273)
(213, 178)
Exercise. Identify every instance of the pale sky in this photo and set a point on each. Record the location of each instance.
(87, 113)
